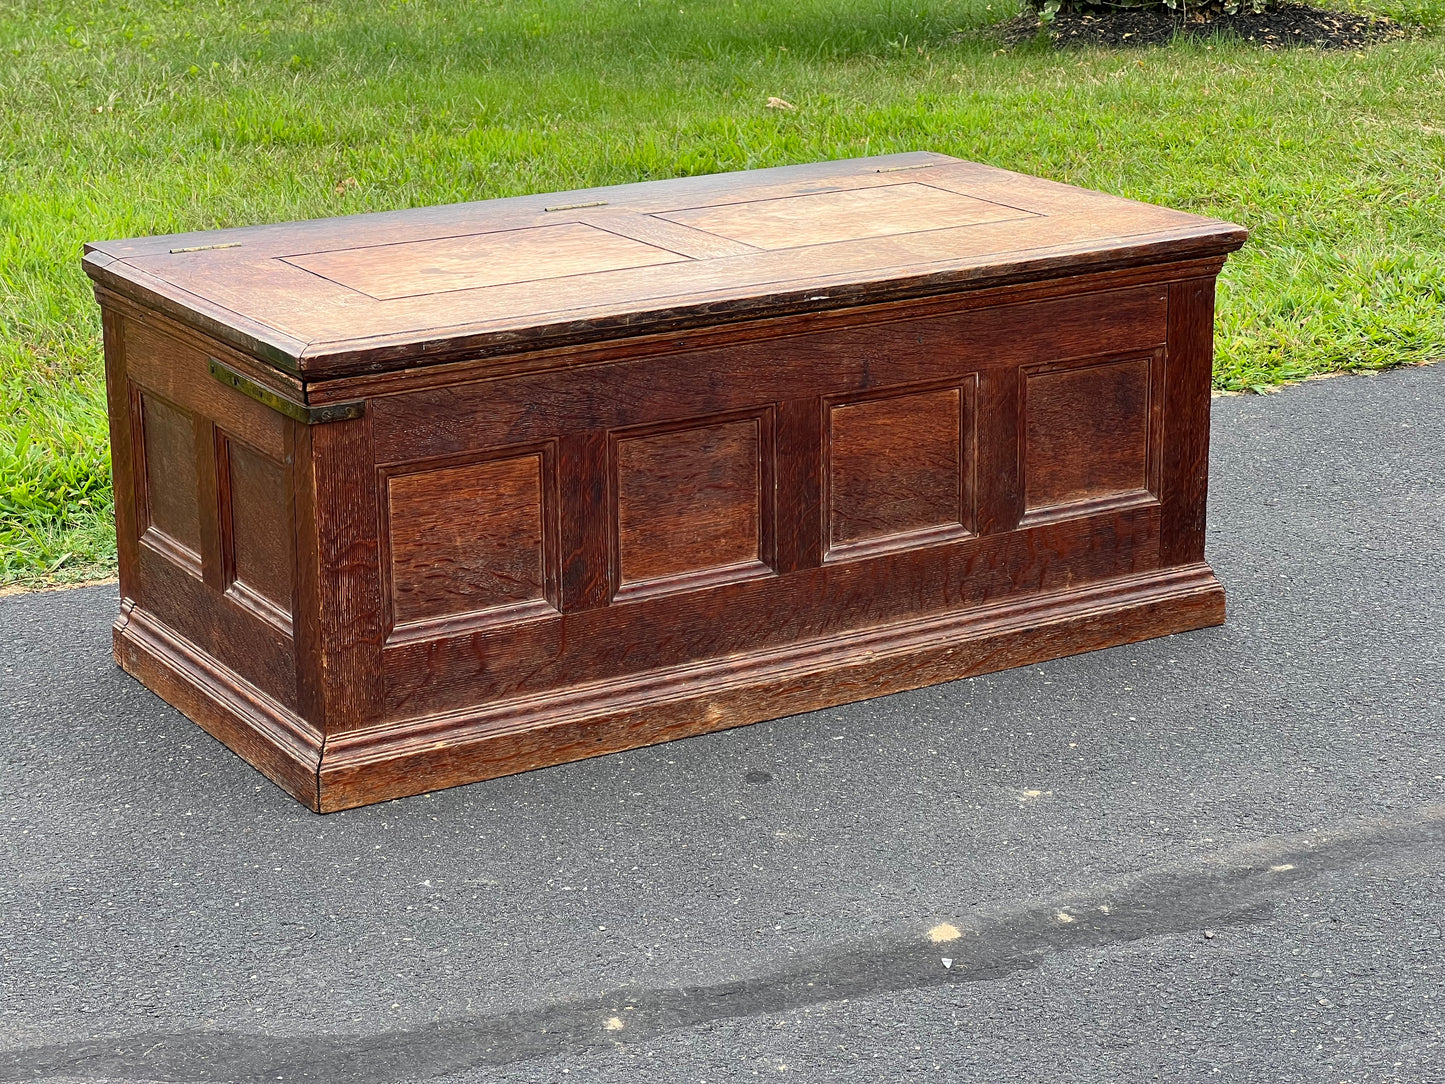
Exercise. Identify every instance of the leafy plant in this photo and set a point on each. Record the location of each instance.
(1198, 11)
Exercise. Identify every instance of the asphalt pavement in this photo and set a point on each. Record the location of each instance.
(1214, 855)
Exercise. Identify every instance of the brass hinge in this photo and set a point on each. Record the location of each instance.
(576, 206)
(308, 415)
(207, 248)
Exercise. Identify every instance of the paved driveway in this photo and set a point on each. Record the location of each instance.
(1217, 854)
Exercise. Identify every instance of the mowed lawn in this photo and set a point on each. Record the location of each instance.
(153, 116)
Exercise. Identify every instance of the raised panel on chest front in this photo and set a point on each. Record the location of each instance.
(257, 543)
(564, 527)
(1090, 434)
(470, 540)
(692, 503)
(898, 469)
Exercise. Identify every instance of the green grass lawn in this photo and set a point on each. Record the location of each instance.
(153, 116)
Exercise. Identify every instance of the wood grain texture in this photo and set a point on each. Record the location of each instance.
(1086, 432)
(690, 500)
(647, 631)
(1000, 466)
(223, 627)
(179, 568)
(944, 226)
(178, 371)
(171, 494)
(474, 416)
(586, 537)
(341, 616)
(452, 360)
(673, 236)
(424, 268)
(130, 315)
(511, 737)
(257, 532)
(125, 460)
(649, 461)
(895, 466)
(613, 302)
(1187, 381)
(468, 538)
(800, 439)
(216, 552)
(825, 217)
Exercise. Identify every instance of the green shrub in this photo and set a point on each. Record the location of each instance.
(1202, 10)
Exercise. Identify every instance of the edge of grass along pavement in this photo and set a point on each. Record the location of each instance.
(156, 118)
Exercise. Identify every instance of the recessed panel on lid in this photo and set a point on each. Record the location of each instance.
(824, 217)
(444, 264)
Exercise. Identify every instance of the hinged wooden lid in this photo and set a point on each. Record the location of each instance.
(386, 291)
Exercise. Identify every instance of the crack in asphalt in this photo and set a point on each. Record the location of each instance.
(1234, 887)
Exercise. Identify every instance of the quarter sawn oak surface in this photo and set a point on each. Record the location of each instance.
(412, 499)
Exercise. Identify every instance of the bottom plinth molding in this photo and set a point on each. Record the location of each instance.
(484, 741)
(272, 739)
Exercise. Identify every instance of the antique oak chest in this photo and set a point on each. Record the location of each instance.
(411, 499)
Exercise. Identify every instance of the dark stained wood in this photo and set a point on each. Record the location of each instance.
(179, 372)
(853, 312)
(218, 626)
(998, 429)
(187, 581)
(644, 632)
(126, 467)
(171, 502)
(514, 737)
(255, 294)
(466, 538)
(1086, 432)
(472, 417)
(690, 500)
(628, 464)
(895, 466)
(257, 535)
(1188, 369)
(585, 536)
(339, 601)
(132, 316)
(211, 473)
(799, 440)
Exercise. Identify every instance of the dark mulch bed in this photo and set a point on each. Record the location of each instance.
(1283, 26)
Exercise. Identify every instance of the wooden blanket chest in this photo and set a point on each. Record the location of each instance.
(407, 500)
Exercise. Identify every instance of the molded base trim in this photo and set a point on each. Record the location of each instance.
(273, 739)
(503, 738)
